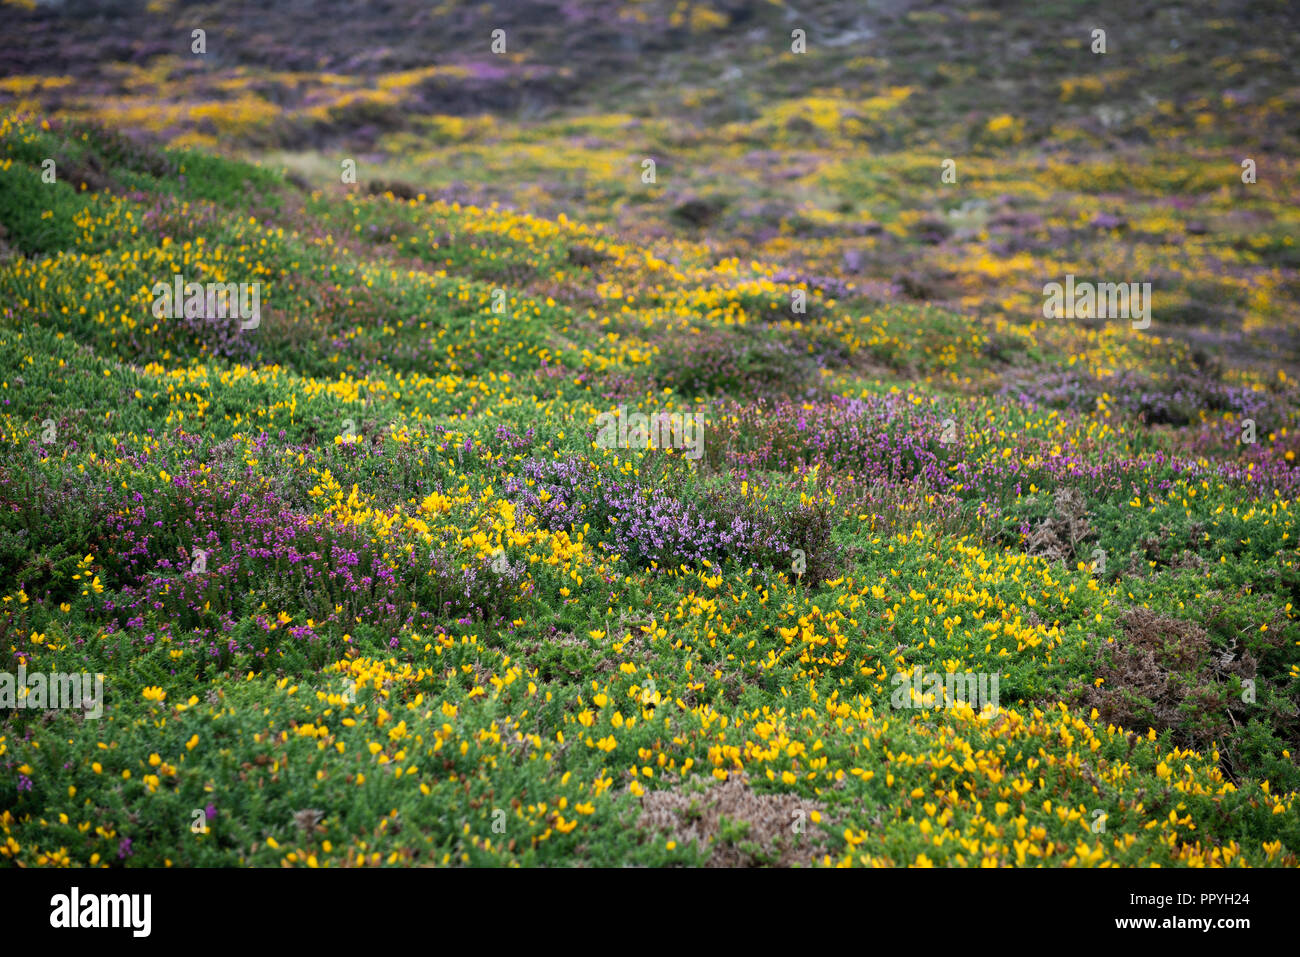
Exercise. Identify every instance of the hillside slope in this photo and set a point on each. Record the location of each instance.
(363, 583)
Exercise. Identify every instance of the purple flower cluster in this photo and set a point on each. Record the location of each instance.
(1176, 399)
(644, 524)
(207, 565)
(875, 440)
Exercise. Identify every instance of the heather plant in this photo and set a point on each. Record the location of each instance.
(649, 526)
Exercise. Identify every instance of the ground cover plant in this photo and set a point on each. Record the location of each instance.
(645, 443)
